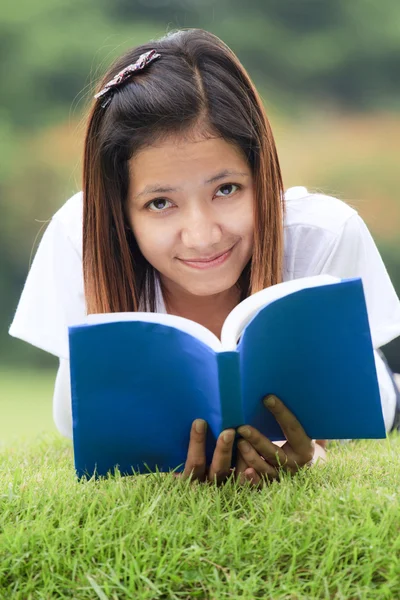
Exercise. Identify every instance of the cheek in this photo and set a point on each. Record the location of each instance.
(154, 239)
(241, 221)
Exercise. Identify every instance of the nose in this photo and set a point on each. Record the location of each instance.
(200, 229)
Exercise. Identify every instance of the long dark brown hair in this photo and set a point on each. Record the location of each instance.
(198, 84)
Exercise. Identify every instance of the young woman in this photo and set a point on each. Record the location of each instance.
(183, 210)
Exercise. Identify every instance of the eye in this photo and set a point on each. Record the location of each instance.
(229, 185)
(156, 203)
(159, 203)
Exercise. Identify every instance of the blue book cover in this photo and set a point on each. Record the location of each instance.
(138, 385)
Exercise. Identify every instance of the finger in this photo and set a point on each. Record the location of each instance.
(302, 445)
(220, 467)
(254, 460)
(240, 468)
(247, 474)
(195, 465)
(272, 453)
(253, 477)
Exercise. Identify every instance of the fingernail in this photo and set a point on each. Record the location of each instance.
(269, 401)
(228, 436)
(244, 431)
(244, 446)
(200, 425)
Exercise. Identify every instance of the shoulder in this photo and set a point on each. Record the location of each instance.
(305, 208)
(314, 225)
(70, 219)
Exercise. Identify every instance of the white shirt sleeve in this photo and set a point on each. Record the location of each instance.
(52, 297)
(51, 300)
(355, 254)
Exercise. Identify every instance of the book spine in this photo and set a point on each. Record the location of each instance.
(74, 410)
(230, 389)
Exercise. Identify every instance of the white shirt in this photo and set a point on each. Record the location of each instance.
(322, 234)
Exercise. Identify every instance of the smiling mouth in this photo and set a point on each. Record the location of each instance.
(205, 260)
(211, 262)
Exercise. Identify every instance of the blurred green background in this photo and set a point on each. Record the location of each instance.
(327, 72)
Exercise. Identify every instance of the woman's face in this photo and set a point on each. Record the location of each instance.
(194, 211)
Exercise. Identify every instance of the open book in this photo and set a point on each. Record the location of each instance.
(138, 380)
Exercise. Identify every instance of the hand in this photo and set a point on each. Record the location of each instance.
(259, 459)
(195, 466)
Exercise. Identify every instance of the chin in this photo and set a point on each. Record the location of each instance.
(204, 289)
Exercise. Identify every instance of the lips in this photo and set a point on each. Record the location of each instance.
(211, 263)
(205, 260)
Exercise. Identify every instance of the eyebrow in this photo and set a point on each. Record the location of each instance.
(160, 189)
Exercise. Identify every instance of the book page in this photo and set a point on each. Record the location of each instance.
(242, 314)
(195, 329)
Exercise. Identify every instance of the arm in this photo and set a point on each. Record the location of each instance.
(387, 391)
(62, 409)
(319, 452)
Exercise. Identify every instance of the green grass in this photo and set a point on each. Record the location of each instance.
(328, 532)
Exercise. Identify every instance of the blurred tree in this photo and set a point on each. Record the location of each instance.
(335, 51)
(304, 57)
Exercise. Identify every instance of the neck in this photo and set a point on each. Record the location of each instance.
(209, 311)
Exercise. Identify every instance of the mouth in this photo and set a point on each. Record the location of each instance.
(204, 263)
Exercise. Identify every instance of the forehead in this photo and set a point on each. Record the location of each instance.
(179, 156)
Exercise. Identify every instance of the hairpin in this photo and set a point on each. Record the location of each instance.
(142, 61)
